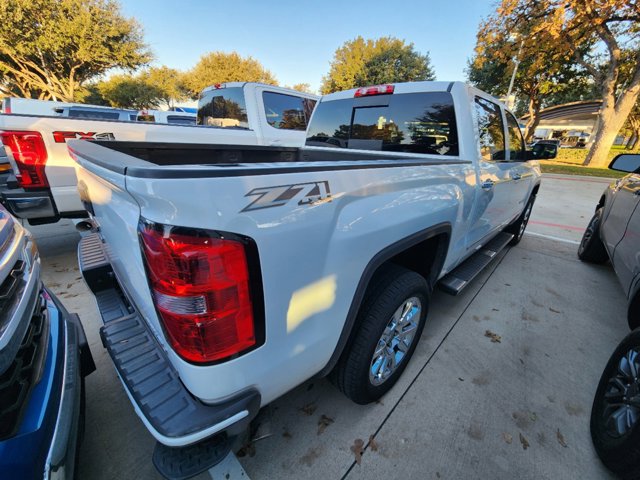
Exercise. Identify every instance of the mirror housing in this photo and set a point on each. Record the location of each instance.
(542, 151)
(626, 162)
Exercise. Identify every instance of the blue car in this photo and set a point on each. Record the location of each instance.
(44, 357)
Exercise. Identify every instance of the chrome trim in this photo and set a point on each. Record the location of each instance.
(23, 249)
(30, 207)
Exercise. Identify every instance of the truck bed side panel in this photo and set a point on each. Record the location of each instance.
(312, 250)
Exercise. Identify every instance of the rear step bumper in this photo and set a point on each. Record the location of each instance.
(168, 410)
(29, 205)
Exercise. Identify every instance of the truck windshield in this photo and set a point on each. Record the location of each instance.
(410, 123)
(223, 107)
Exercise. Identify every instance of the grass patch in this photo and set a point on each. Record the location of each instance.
(567, 169)
(575, 156)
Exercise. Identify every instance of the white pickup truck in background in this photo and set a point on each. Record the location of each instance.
(45, 187)
(226, 275)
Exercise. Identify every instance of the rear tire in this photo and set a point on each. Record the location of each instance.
(388, 327)
(591, 248)
(615, 415)
(518, 227)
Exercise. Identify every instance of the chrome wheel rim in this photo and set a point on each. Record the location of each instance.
(622, 396)
(395, 341)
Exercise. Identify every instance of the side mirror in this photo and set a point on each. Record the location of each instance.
(626, 162)
(543, 151)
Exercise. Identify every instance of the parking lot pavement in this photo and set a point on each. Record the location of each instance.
(466, 407)
(565, 205)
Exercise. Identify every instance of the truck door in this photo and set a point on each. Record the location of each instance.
(494, 201)
(521, 171)
(625, 217)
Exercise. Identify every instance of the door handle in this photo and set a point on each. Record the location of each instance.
(488, 184)
(516, 176)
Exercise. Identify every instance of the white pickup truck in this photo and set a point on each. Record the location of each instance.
(44, 188)
(226, 275)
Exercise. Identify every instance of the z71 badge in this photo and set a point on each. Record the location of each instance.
(304, 193)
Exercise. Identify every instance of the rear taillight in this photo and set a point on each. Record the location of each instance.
(30, 155)
(375, 90)
(201, 287)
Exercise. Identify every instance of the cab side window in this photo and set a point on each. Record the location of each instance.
(516, 142)
(491, 130)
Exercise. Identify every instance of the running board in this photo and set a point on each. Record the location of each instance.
(456, 280)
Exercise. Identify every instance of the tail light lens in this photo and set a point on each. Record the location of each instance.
(201, 287)
(30, 155)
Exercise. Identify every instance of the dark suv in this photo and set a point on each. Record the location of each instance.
(44, 358)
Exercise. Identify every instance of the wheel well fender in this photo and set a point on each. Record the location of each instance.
(423, 252)
(535, 189)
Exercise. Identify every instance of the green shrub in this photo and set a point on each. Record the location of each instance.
(575, 156)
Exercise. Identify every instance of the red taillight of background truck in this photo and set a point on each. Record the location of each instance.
(202, 289)
(30, 155)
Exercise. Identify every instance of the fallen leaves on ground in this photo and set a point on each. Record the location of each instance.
(309, 408)
(373, 445)
(507, 437)
(323, 423)
(561, 439)
(358, 449)
(524, 442)
(495, 338)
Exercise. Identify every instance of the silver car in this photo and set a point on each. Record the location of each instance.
(614, 233)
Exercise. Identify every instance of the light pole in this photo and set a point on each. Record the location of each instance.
(516, 62)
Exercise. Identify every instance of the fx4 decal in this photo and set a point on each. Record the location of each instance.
(306, 194)
(62, 137)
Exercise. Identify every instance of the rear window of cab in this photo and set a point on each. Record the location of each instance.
(409, 123)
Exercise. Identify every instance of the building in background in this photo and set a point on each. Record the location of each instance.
(573, 123)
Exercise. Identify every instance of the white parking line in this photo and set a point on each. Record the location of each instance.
(551, 237)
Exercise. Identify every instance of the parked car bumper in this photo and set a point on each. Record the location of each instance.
(46, 440)
(27, 204)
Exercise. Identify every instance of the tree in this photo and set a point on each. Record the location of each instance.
(602, 38)
(301, 87)
(544, 72)
(220, 67)
(169, 81)
(361, 62)
(126, 91)
(632, 126)
(50, 48)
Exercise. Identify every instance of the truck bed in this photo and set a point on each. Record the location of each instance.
(142, 159)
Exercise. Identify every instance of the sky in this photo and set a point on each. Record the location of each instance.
(296, 40)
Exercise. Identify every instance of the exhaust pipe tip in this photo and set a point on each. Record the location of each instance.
(84, 226)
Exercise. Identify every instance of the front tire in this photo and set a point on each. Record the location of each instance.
(518, 227)
(389, 325)
(615, 414)
(591, 248)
